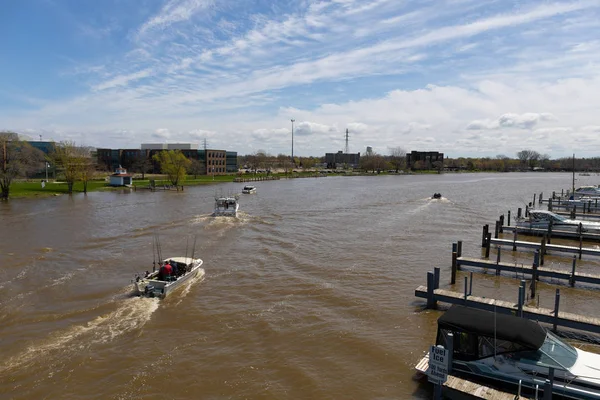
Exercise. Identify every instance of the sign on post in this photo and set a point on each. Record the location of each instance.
(438, 365)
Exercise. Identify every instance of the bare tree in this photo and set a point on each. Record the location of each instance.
(68, 159)
(142, 164)
(398, 158)
(196, 168)
(17, 158)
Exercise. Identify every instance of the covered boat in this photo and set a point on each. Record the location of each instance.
(510, 351)
(160, 284)
(226, 206)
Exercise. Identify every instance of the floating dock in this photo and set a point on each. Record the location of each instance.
(458, 388)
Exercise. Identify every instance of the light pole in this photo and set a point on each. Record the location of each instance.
(47, 165)
(293, 120)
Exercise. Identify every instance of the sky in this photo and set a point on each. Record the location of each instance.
(469, 78)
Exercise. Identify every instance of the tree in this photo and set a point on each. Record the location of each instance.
(174, 164)
(17, 158)
(398, 158)
(196, 168)
(87, 168)
(69, 159)
(142, 165)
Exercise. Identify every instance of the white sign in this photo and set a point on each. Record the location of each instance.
(438, 365)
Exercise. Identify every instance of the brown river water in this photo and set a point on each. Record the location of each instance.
(308, 295)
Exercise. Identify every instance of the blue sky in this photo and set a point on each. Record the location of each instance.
(466, 77)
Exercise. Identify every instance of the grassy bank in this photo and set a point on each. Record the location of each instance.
(21, 189)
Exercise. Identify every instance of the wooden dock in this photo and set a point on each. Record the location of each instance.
(572, 277)
(553, 233)
(564, 319)
(514, 244)
(459, 388)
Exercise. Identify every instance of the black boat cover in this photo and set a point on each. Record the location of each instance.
(508, 327)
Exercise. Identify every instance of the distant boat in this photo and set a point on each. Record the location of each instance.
(155, 284)
(249, 189)
(226, 206)
(436, 196)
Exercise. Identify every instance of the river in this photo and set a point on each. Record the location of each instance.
(308, 295)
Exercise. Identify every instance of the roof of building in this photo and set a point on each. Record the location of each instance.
(486, 323)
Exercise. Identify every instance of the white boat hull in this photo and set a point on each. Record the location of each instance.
(151, 286)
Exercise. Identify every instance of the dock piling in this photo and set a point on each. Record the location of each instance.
(549, 204)
(496, 229)
(466, 293)
(486, 228)
(459, 248)
(454, 267)
(487, 245)
(572, 279)
(519, 212)
(501, 224)
(515, 240)
(520, 301)
(556, 308)
(436, 278)
(540, 199)
(526, 211)
(549, 231)
(533, 200)
(542, 250)
(470, 283)
(508, 219)
(580, 239)
(431, 303)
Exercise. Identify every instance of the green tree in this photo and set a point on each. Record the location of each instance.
(69, 160)
(174, 164)
(17, 158)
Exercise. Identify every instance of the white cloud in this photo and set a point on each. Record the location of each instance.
(510, 120)
(174, 11)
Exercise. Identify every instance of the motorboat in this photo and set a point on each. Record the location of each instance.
(541, 219)
(587, 191)
(436, 196)
(513, 351)
(226, 206)
(160, 284)
(248, 189)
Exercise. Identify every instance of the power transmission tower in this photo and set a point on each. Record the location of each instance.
(346, 150)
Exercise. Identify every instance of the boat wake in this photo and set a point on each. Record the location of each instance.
(131, 314)
(187, 287)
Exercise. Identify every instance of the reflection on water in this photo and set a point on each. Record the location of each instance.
(309, 293)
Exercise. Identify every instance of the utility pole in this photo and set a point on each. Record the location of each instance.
(293, 161)
(206, 157)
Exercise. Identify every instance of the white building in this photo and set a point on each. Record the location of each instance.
(121, 177)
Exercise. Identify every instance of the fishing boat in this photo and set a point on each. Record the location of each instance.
(226, 206)
(512, 351)
(160, 284)
(541, 219)
(249, 189)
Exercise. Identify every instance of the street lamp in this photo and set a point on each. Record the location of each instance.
(293, 120)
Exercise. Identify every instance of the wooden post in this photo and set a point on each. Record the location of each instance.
(556, 308)
(553, 195)
(574, 212)
(508, 219)
(519, 212)
(580, 239)
(502, 223)
(526, 211)
(533, 200)
(515, 239)
(534, 275)
(484, 235)
(455, 247)
(498, 255)
(454, 267)
(430, 289)
(572, 279)
(549, 231)
(459, 248)
(520, 301)
(436, 278)
(542, 250)
(549, 204)
(540, 199)
(470, 283)
(496, 229)
(466, 293)
(589, 206)
(487, 245)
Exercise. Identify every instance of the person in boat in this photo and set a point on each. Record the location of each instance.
(165, 271)
(174, 268)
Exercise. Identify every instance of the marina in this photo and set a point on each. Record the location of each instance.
(300, 299)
